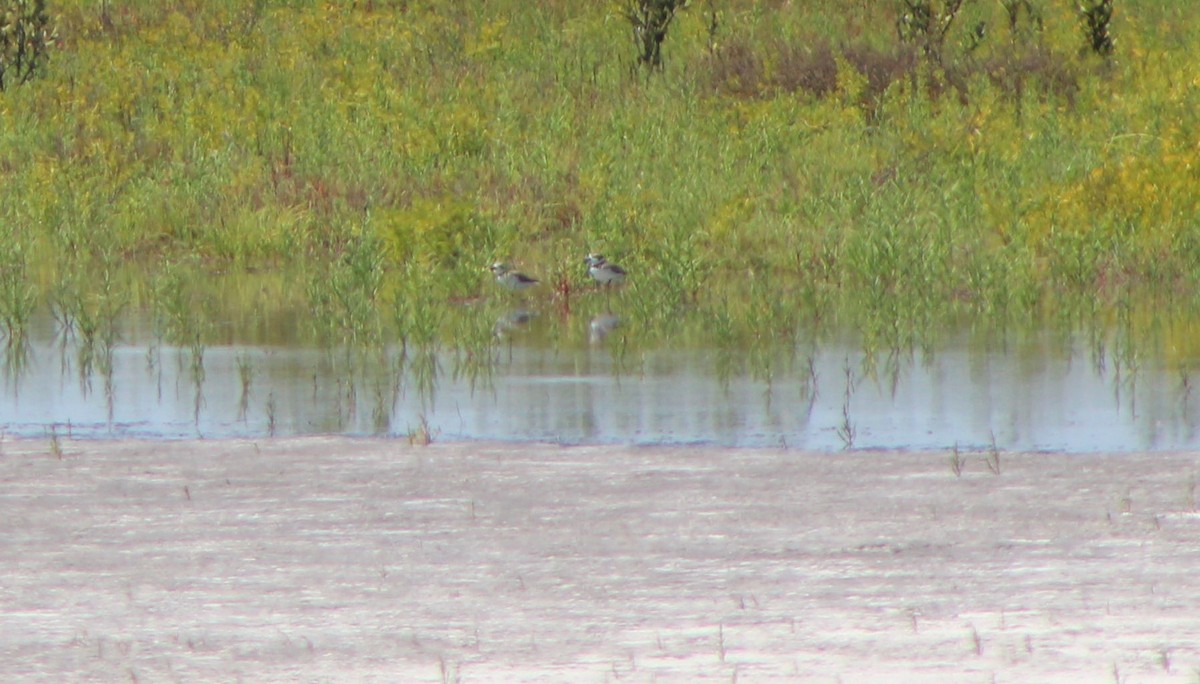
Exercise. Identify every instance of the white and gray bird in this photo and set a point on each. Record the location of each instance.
(510, 279)
(603, 272)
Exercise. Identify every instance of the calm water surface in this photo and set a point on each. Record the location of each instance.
(1035, 394)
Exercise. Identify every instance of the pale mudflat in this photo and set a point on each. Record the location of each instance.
(345, 560)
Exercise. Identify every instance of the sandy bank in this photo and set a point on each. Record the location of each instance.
(331, 559)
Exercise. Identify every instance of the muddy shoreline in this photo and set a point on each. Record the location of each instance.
(337, 559)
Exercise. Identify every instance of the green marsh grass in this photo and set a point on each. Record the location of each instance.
(785, 170)
(87, 309)
(18, 302)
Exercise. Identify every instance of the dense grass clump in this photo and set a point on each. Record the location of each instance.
(783, 163)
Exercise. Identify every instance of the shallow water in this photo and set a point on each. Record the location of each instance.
(1037, 393)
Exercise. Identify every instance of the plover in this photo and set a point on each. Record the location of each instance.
(604, 272)
(511, 279)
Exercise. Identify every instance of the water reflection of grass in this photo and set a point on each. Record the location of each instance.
(755, 329)
(17, 304)
(385, 375)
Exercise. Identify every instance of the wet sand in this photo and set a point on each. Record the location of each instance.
(344, 560)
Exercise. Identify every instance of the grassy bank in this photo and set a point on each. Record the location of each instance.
(790, 162)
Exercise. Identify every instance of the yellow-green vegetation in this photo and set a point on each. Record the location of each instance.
(789, 161)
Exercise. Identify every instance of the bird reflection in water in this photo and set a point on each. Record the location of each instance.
(600, 327)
